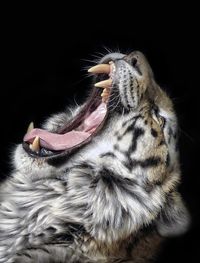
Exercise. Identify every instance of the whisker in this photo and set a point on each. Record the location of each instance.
(101, 54)
(122, 115)
(75, 101)
(89, 60)
(114, 106)
(117, 104)
(112, 98)
(107, 49)
(118, 50)
(81, 80)
(85, 68)
(96, 56)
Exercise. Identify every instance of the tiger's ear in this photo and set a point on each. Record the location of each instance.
(174, 220)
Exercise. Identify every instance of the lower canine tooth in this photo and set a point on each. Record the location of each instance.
(35, 146)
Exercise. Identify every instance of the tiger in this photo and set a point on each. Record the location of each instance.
(99, 182)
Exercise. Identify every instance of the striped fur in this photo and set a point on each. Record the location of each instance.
(111, 201)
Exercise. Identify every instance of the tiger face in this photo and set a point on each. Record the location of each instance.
(115, 159)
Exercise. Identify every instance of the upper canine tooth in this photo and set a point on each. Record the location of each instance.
(30, 127)
(104, 83)
(35, 146)
(101, 68)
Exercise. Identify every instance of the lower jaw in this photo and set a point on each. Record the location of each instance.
(57, 158)
(49, 153)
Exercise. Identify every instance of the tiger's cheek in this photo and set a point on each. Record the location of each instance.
(155, 145)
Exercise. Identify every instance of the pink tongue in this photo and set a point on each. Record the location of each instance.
(53, 141)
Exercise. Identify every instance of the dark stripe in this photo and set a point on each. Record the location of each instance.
(168, 160)
(51, 229)
(150, 162)
(130, 128)
(154, 133)
(147, 163)
(27, 255)
(108, 154)
(138, 132)
(126, 95)
(155, 109)
(134, 119)
(162, 142)
(128, 164)
(83, 165)
(170, 134)
(148, 187)
(126, 185)
(109, 178)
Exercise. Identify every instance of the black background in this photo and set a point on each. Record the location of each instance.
(44, 60)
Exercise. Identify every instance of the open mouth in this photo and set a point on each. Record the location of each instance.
(83, 127)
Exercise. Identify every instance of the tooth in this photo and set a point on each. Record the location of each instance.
(30, 127)
(101, 68)
(104, 83)
(112, 67)
(105, 93)
(35, 146)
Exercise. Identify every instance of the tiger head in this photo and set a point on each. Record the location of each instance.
(127, 131)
